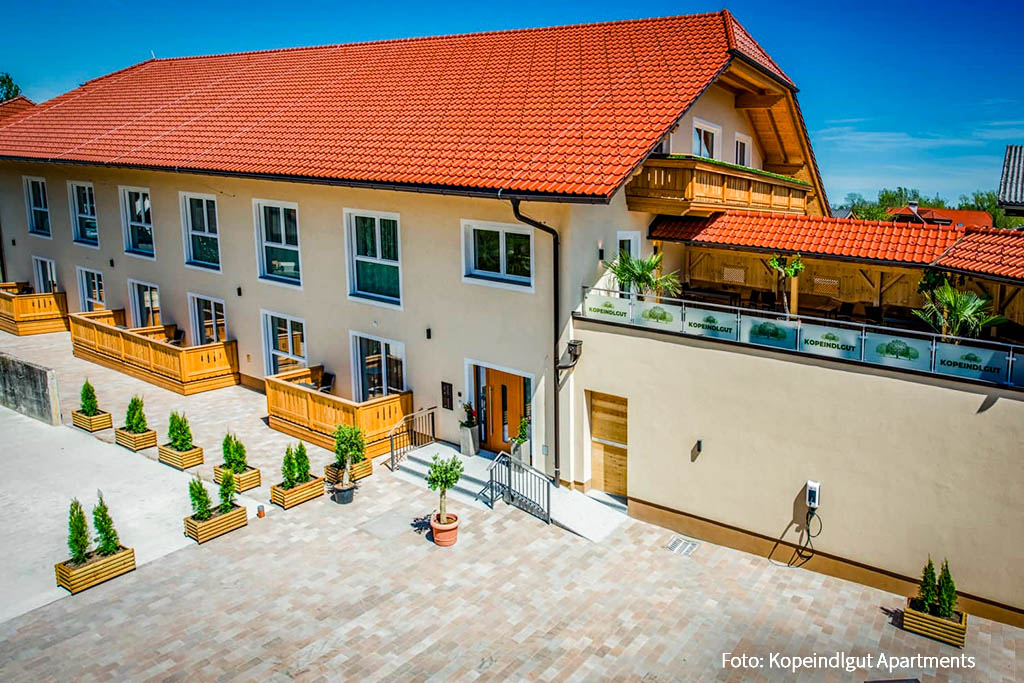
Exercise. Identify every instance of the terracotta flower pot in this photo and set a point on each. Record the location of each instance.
(445, 534)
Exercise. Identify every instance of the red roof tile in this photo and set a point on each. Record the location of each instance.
(565, 110)
(958, 217)
(14, 106)
(987, 251)
(812, 235)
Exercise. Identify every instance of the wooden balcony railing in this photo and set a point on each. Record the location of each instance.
(31, 313)
(313, 416)
(699, 187)
(144, 353)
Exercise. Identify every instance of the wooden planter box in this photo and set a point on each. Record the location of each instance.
(181, 460)
(100, 420)
(287, 498)
(249, 479)
(938, 628)
(218, 525)
(135, 442)
(333, 473)
(96, 570)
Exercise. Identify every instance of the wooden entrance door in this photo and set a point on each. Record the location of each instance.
(608, 433)
(505, 401)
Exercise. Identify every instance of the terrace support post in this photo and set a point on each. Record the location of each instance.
(794, 292)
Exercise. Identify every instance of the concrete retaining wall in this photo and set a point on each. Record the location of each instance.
(29, 388)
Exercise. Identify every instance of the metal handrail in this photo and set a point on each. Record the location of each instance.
(406, 418)
(411, 418)
(533, 495)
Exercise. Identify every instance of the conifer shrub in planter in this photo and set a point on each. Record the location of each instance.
(350, 463)
(246, 477)
(180, 452)
(205, 522)
(85, 568)
(136, 434)
(297, 484)
(933, 612)
(443, 475)
(89, 416)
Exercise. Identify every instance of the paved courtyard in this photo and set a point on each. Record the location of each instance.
(328, 592)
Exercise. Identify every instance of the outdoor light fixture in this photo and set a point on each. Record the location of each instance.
(575, 349)
(111, 263)
(13, 242)
(239, 290)
(700, 445)
(600, 250)
(428, 333)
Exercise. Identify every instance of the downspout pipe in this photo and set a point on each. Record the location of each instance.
(555, 302)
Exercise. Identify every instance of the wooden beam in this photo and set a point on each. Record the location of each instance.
(768, 269)
(1008, 299)
(696, 262)
(794, 293)
(752, 101)
(784, 169)
(891, 283)
(867, 279)
(778, 135)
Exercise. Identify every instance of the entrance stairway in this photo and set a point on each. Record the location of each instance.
(472, 488)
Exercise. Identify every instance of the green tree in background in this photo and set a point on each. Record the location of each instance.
(988, 200)
(8, 88)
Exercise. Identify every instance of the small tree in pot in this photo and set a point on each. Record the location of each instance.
(136, 433)
(469, 431)
(89, 416)
(349, 448)
(443, 475)
(107, 541)
(78, 533)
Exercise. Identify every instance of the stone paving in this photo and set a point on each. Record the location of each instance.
(326, 592)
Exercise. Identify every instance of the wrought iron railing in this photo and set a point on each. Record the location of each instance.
(948, 356)
(519, 484)
(414, 431)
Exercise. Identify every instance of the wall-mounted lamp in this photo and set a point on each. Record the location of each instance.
(575, 349)
(428, 333)
(600, 250)
(14, 242)
(238, 290)
(700, 445)
(111, 263)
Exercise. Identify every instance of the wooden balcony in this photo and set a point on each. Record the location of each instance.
(144, 352)
(22, 313)
(312, 416)
(699, 187)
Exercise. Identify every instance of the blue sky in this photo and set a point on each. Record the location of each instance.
(919, 94)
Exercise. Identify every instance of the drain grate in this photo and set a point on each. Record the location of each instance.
(680, 545)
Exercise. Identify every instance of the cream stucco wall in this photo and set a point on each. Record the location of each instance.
(717, 106)
(908, 466)
(510, 329)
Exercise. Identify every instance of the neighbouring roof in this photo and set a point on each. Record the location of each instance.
(987, 251)
(569, 110)
(955, 217)
(843, 212)
(1011, 185)
(14, 106)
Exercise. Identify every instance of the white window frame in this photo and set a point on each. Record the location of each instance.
(83, 298)
(36, 260)
(30, 209)
(713, 128)
(187, 231)
(195, 324)
(268, 350)
(354, 294)
(122, 195)
(749, 142)
(133, 303)
(75, 215)
(257, 205)
(487, 279)
(357, 385)
(664, 145)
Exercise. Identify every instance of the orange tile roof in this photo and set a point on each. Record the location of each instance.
(14, 106)
(958, 217)
(987, 251)
(812, 235)
(569, 110)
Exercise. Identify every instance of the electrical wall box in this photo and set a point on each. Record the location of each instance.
(813, 494)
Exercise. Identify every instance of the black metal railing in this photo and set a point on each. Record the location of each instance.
(414, 431)
(519, 484)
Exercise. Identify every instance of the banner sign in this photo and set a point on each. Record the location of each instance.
(659, 316)
(973, 362)
(606, 307)
(910, 353)
(768, 332)
(835, 342)
(707, 323)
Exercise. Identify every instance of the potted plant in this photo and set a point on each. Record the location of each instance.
(180, 452)
(85, 568)
(470, 431)
(246, 477)
(135, 434)
(521, 438)
(350, 463)
(205, 522)
(933, 612)
(89, 416)
(443, 475)
(297, 484)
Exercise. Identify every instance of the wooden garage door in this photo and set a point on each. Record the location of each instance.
(608, 446)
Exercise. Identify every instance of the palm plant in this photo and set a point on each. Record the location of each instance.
(643, 274)
(952, 312)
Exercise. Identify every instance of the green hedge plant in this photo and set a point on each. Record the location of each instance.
(90, 406)
(78, 533)
(443, 475)
(135, 419)
(301, 464)
(227, 492)
(288, 469)
(200, 500)
(294, 467)
(179, 433)
(349, 448)
(946, 598)
(107, 542)
(234, 454)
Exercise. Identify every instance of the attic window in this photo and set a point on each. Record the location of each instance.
(734, 274)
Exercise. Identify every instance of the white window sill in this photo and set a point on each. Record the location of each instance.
(499, 283)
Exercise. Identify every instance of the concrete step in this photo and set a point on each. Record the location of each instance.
(471, 486)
